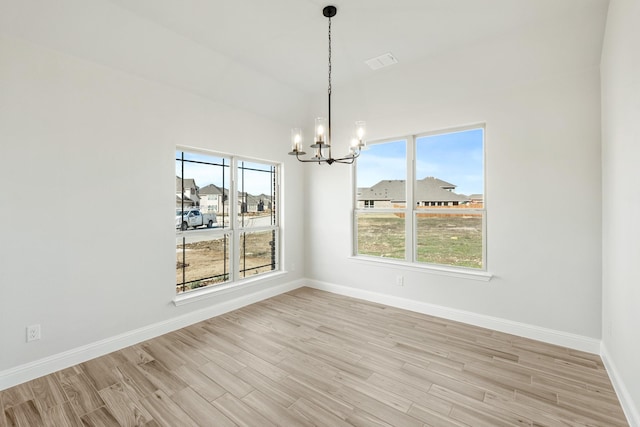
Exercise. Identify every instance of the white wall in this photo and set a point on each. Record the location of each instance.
(621, 198)
(106, 33)
(538, 94)
(95, 147)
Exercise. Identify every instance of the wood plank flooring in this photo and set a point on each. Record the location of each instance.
(312, 358)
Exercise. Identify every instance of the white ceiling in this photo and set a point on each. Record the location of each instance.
(287, 39)
(255, 54)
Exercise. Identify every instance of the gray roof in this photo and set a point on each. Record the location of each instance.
(250, 198)
(429, 189)
(393, 190)
(185, 198)
(253, 200)
(212, 189)
(442, 184)
(188, 183)
(477, 196)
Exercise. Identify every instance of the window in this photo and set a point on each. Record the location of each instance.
(226, 219)
(429, 204)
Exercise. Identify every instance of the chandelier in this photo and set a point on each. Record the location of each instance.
(322, 139)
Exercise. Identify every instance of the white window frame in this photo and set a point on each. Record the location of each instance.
(410, 213)
(249, 229)
(235, 230)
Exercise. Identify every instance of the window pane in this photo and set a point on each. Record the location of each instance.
(449, 169)
(381, 176)
(201, 260)
(381, 234)
(449, 239)
(256, 188)
(257, 252)
(202, 184)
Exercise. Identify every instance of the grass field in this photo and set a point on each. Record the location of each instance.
(453, 239)
(381, 235)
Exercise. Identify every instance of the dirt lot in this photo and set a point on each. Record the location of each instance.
(207, 262)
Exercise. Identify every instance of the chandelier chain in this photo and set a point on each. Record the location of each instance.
(329, 56)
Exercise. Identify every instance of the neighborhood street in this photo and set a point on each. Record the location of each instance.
(203, 233)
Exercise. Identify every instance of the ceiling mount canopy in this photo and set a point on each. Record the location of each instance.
(329, 11)
(322, 139)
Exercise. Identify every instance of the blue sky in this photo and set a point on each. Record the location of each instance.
(255, 182)
(453, 157)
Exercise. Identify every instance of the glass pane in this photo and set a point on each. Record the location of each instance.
(449, 169)
(381, 234)
(201, 260)
(449, 239)
(381, 175)
(257, 252)
(202, 191)
(256, 190)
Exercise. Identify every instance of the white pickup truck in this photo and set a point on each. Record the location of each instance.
(194, 218)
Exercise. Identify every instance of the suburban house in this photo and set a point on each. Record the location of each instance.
(476, 199)
(289, 322)
(210, 198)
(187, 196)
(430, 192)
(253, 203)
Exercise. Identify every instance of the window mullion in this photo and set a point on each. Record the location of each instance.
(277, 242)
(234, 247)
(410, 197)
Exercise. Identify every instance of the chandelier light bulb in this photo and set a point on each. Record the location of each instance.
(321, 126)
(360, 130)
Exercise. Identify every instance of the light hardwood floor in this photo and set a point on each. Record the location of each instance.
(314, 358)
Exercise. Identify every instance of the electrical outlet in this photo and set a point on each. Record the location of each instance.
(400, 280)
(33, 333)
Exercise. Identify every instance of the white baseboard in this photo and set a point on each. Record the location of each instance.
(56, 362)
(565, 339)
(628, 406)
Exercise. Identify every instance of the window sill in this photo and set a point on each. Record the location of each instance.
(201, 294)
(463, 273)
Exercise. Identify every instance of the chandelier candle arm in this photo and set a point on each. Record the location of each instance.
(322, 129)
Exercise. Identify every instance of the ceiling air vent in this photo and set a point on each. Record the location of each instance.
(381, 61)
